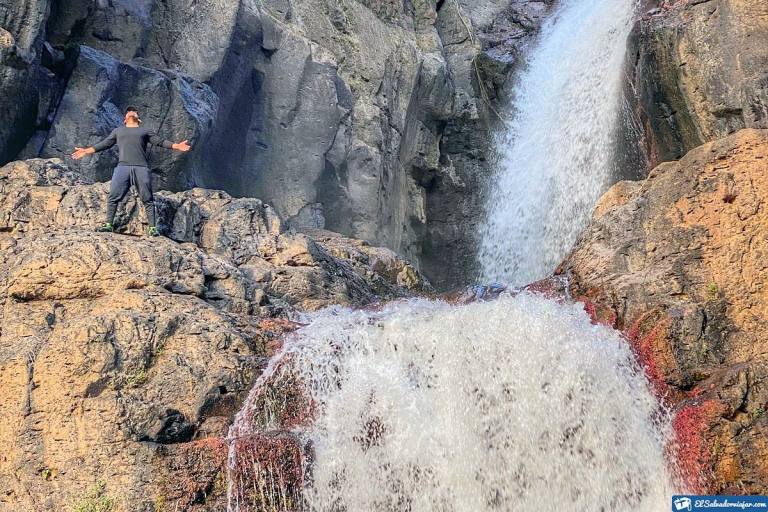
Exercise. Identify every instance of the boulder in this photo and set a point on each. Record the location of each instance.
(678, 262)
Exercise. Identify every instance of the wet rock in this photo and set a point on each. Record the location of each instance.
(679, 261)
(191, 476)
(272, 467)
(484, 44)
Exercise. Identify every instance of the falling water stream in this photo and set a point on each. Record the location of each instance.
(514, 404)
(557, 154)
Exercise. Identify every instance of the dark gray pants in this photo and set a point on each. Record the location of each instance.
(122, 179)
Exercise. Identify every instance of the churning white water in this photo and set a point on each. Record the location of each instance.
(518, 404)
(557, 154)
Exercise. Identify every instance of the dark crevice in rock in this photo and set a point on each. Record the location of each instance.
(95, 389)
(175, 428)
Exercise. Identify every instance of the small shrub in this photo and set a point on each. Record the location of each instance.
(161, 504)
(95, 500)
(137, 379)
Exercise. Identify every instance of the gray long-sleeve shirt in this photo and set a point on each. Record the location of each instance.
(132, 143)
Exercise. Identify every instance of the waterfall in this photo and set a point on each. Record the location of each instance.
(520, 403)
(514, 404)
(557, 152)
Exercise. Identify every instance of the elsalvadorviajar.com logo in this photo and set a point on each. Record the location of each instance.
(720, 503)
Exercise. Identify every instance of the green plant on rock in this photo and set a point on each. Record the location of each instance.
(49, 473)
(220, 484)
(161, 504)
(95, 499)
(713, 290)
(137, 379)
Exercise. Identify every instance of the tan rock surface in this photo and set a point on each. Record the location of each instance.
(123, 358)
(681, 260)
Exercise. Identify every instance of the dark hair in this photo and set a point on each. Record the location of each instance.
(131, 109)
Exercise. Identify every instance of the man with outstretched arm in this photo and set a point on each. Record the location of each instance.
(132, 167)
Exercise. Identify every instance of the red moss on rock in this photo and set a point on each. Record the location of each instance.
(690, 450)
(554, 288)
(647, 337)
(600, 315)
(274, 331)
(267, 472)
(280, 402)
(198, 478)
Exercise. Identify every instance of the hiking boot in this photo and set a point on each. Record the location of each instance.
(153, 231)
(105, 228)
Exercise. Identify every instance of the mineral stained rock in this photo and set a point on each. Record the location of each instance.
(123, 358)
(678, 262)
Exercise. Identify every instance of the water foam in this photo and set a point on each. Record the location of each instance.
(516, 404)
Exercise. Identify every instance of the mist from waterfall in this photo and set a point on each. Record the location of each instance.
(515, 404)
(557, 152)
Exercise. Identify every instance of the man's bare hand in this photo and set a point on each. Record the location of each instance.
(81, 152)
(182, 146)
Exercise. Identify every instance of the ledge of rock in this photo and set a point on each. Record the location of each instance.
(123, 357)
(678, 262)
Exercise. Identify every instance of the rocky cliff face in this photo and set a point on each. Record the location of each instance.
(123, 359)
(24, 82)
(699, 71)
(678, 262)
(370, 118)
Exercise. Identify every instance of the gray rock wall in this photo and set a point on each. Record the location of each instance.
(700, 72)
(99, 89)
(22, 28)
(370, 118)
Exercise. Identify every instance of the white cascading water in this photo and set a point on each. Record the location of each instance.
(557, 154)
(515, 404)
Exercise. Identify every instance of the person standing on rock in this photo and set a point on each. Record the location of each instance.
(132, 167)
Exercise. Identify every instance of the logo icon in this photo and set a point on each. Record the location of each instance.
(682, 504)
